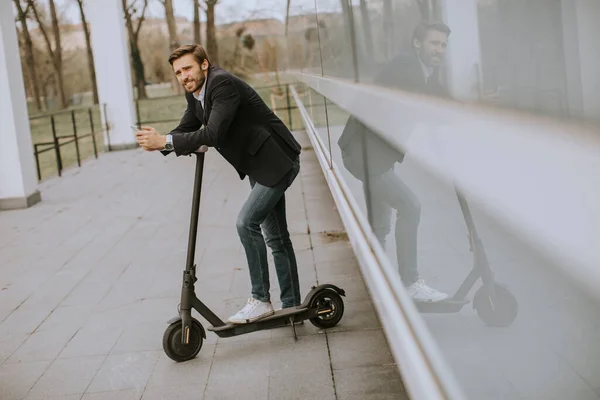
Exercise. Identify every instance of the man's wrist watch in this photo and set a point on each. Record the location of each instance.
(169, 143)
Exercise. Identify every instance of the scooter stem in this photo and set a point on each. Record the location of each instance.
(195, 212)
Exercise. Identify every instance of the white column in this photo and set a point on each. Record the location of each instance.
(581, 29)
(464, 54)
(113, 75)
(18, 180)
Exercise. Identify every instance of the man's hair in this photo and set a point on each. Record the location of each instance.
(425, 26)
(198, 51)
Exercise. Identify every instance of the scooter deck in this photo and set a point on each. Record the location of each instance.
(279, 316)
(446, 306)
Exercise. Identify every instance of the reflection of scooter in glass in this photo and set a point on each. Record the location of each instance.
(494, 303)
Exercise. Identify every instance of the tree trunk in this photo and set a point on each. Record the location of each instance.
(29, 59)
(211, 36)
(58, 65)
(138, 69)
(45, 95)
(197, 34)
(26, 80)
(90, 53)
(287, 16)
(173, 39)
(136, 59)
(171, 24)
(56, 54)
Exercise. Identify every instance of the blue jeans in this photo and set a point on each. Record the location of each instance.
(389, 192)
(265, 208)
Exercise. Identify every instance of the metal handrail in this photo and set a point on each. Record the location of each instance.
(59, 141)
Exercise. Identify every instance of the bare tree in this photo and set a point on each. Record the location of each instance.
(56, 52)
(197, 34)
(211, 34)
(28, 50)
(287, 16)
(173, 38)
(171, 23)
(134, 34)
(90, 54)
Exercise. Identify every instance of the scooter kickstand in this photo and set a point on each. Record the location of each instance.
(293, 328)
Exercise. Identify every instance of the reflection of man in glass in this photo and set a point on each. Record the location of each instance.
(414, 71)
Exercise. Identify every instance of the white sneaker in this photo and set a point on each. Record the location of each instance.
(419, 291)
(252, 311)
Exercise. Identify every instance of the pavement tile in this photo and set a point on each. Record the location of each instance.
(91, 342)
(239, 370)
(169, 373)
(113, 395)
(9, 343)
(369, 349)
(67, 377)
(17, 379)
(124, 371)
(42, 345)
(369, 383)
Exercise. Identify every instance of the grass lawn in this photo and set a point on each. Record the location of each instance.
(162, 111)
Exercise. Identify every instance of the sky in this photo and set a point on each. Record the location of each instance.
(226, 10)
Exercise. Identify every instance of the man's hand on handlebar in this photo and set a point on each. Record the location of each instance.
(150, 140)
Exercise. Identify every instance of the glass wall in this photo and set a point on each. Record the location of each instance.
(508, 319)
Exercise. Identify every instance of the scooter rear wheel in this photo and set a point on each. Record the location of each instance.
(175, 348)
(501, 310)
(331, 309)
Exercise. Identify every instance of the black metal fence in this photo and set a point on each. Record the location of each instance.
(276, 94)
(60, 139)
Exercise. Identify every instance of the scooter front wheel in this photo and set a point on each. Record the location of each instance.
(501, 309)
(330, 309)
(175, 348)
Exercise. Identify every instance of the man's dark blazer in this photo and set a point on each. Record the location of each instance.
(403, 72)
(238, 123)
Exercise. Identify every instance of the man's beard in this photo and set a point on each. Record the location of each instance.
(199, 82)
(435, 60)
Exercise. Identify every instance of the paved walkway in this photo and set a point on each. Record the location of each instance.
(90, 276)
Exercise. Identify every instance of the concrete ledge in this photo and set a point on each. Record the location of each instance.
(15, 203)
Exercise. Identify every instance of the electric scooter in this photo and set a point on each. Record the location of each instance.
(323, 305)
(494, 303)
